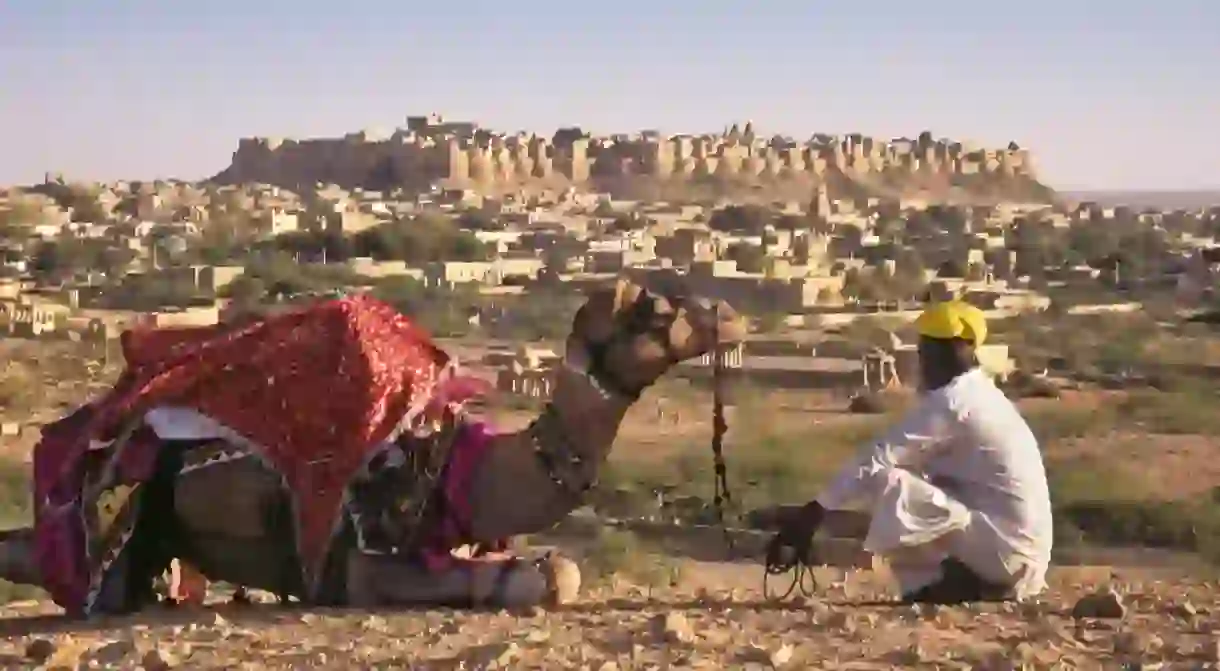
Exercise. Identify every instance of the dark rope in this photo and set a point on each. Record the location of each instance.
(779, 563)
(722, 497)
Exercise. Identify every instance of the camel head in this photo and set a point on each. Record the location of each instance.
(627, 336)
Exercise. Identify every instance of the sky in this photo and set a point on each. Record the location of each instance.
(1123, 94)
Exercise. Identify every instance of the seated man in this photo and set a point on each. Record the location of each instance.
(958, 492)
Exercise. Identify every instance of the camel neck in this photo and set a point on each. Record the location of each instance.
(531, 479)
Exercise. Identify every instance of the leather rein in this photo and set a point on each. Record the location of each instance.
(777, 563)
(644, 320)
(647, 322)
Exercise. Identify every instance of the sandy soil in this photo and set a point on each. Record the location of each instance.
(715, 619)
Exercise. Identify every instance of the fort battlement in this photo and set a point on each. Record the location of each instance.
(431, 150)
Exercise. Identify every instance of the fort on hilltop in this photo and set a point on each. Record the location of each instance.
(432, 151)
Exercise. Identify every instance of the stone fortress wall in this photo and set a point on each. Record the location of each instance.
(431, 150)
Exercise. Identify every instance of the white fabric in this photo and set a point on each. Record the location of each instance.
(969, 536)
(178, 423)
(961, 476)
(175, 423)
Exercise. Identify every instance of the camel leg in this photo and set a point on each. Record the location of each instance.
(17, 561)
(492, 580)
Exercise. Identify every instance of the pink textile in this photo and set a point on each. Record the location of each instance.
(469, 448)
(452, 392)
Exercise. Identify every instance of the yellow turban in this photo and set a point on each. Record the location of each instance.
(953, 319)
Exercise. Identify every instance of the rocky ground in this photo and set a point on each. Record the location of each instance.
(715, 618)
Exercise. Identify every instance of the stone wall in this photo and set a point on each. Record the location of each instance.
(462, 155)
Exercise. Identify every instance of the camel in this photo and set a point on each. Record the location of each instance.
(217, 508)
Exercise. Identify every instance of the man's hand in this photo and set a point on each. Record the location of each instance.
(794, 542)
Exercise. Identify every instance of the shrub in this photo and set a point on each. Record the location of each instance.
(1095, 503)
(866, 403)
(20, 388)
(1023, 385)
(1176, 525)
(1172, 412)
(1060, 422)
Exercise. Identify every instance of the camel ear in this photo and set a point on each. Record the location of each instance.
(597, 320)
(626, 293)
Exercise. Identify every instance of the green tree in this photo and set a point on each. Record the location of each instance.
(85, 204)
(219, 244)
(114, 260)
(628, 222)
(750, 219)
(17, 219)
(793, 222)
(543, 314)
(315, 245)
(62, 257)
(465, 248)
(909, 264)
(770, 322)
(247, 292)
(852, 282)
(420, 240)
(891, 231)
(1095, 242)
(478, 220)
(872, 289)
(150, 293)
(750, 258)
(443, 312)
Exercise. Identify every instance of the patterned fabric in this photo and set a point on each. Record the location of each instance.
(395, 501)
(76, 544)
(312, 391)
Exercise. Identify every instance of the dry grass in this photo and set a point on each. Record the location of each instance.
(618, 555)
(1128, 467)
(1154, 449)
(39, 380)
(16, 509)
(20, 389)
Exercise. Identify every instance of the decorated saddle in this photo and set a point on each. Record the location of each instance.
(313, 393)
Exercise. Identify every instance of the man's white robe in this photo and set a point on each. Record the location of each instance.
(960, 476)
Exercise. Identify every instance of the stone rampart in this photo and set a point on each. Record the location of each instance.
(431, 151)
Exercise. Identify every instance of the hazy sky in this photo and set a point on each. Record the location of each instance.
(1115, 94)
